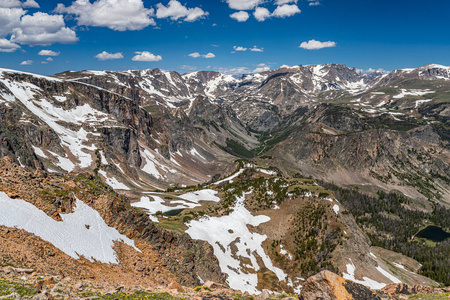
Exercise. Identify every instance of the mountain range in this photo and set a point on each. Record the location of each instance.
(294, 165)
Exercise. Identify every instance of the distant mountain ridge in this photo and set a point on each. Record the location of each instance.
(165, 125)
(285, 89)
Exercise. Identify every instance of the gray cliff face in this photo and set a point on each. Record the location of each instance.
(167, 128)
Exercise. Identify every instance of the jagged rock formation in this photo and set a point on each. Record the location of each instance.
(329, 286)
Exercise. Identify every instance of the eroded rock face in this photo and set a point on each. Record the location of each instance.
(329, 286)
(166, 255)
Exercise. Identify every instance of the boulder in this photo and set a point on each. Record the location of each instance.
(213, 285)
(329, 286)
(175, 286)
(421, 289)
(264, 295)
(397, 288)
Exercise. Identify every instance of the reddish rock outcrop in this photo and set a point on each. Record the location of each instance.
(329, 286)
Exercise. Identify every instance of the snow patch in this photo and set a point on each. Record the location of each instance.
(113, 182)
(388, 275)
(63, 162)
(336, 208)
(81, 233)
(189, 200)
(202, 195)
(103, 158)
(153, 166)
(230, 178)
(420, 102)
(231, 232)
(195, 152)
(350, 275)
(268, 172)
(39, 152)
(405, 92)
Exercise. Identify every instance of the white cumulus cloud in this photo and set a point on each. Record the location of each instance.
(283, 10)
(209, 55)
(286, 10)
(242, 49)
(175, 10)
(240, 16)
(42, 29)
(108, 56)
(7, 46)
(9, 19)
(234, 71)
(48, 53)
(315, 45)
(188, 68)
(197, 55)
(239, 48)
(370, 70)
(26, 63)
(146, 56)
(244, 4)
(37, 29)
(31, 4)
(10, 3)
(261, 13)
(261, 68)
(120, 15)
(281, 2)
(17, 3)
(313, 2)
(256, 49)
(194, 55)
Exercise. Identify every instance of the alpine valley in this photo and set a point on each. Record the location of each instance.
(213, 186)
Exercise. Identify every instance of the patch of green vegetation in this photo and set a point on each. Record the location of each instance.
(386, 122)
(315, 238)
(173, 212)
(444, 296)
(422, 181)
(93, 183)
(21, 289)
(390, 222)
(269, 140)
(154, 111)
(172, 224)
(300, 189)
(237, 148)
(135, 295)
(50, 194)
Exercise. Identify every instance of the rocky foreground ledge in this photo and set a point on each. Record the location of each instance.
(19, 283)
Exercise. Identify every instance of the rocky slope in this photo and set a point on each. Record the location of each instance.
(160, 256)
(19, 283)
(402, 116)
(269, 225)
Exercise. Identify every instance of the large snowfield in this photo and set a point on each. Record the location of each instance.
(81, 233)
(233, 242)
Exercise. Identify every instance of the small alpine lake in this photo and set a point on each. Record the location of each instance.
(433, 233)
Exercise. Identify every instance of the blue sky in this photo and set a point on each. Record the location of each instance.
(188, 35)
